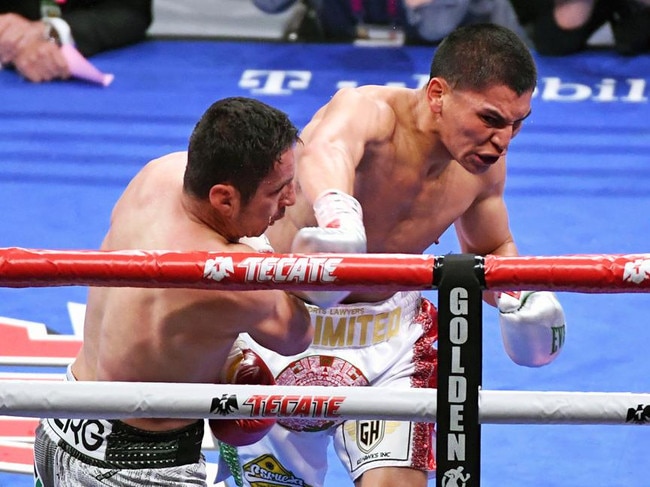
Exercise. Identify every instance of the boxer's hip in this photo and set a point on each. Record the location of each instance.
(114, 444)
(361, 325)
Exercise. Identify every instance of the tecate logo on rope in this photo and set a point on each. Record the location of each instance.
(305, 406)
(637, 271)
(638, 415)
(275, 269)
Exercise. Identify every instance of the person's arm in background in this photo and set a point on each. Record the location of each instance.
(27, 46)
(30, 43)
(102, 25)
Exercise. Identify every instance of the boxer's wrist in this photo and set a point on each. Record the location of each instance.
(335, 209)
(340, 226)
(340, 230)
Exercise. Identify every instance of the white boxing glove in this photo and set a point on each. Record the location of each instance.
(340, 226)
(533, 326)
(335, 209)
(259, 244)
(340, 230)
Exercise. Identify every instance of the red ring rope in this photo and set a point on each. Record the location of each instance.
(578, 273)
(247, 271)
(213, 270)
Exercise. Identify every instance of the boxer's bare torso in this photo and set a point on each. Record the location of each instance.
(176, 335)
(410, 186)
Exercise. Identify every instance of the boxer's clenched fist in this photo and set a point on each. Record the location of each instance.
(243, 366)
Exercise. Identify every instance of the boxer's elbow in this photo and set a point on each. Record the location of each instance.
(291, 342)
(288, 331)
(300, 341)
(300, 332)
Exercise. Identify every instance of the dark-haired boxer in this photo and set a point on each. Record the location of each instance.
(389, 170)
(220, 195)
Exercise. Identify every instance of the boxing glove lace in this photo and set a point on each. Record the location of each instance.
(533, 326)
(340, 230)
(243, 366)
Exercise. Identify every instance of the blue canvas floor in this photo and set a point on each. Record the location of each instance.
(578, 183)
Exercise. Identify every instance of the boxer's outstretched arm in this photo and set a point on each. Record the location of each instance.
(335, 140)
(533, 325)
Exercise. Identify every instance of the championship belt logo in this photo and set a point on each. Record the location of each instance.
(318, 370)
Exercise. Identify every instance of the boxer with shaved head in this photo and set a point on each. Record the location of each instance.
(388, 169)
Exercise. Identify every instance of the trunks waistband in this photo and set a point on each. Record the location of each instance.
(363, 324)
(115, 444)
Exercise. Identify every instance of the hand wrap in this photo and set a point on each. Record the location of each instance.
(340, 230)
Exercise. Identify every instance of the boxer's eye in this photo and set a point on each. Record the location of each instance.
(493, 121)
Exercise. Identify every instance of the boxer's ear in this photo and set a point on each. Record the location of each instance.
(436, 88)
(225, 198)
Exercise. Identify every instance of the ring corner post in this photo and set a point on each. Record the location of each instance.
(460, 282)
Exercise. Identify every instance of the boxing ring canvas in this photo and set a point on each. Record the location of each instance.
(578, 184)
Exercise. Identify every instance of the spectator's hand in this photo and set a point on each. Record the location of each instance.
(16, 32)
(41, 60)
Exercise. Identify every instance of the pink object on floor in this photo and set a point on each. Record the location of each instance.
(81, 68)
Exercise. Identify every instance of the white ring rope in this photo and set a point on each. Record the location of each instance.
(119, 400)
